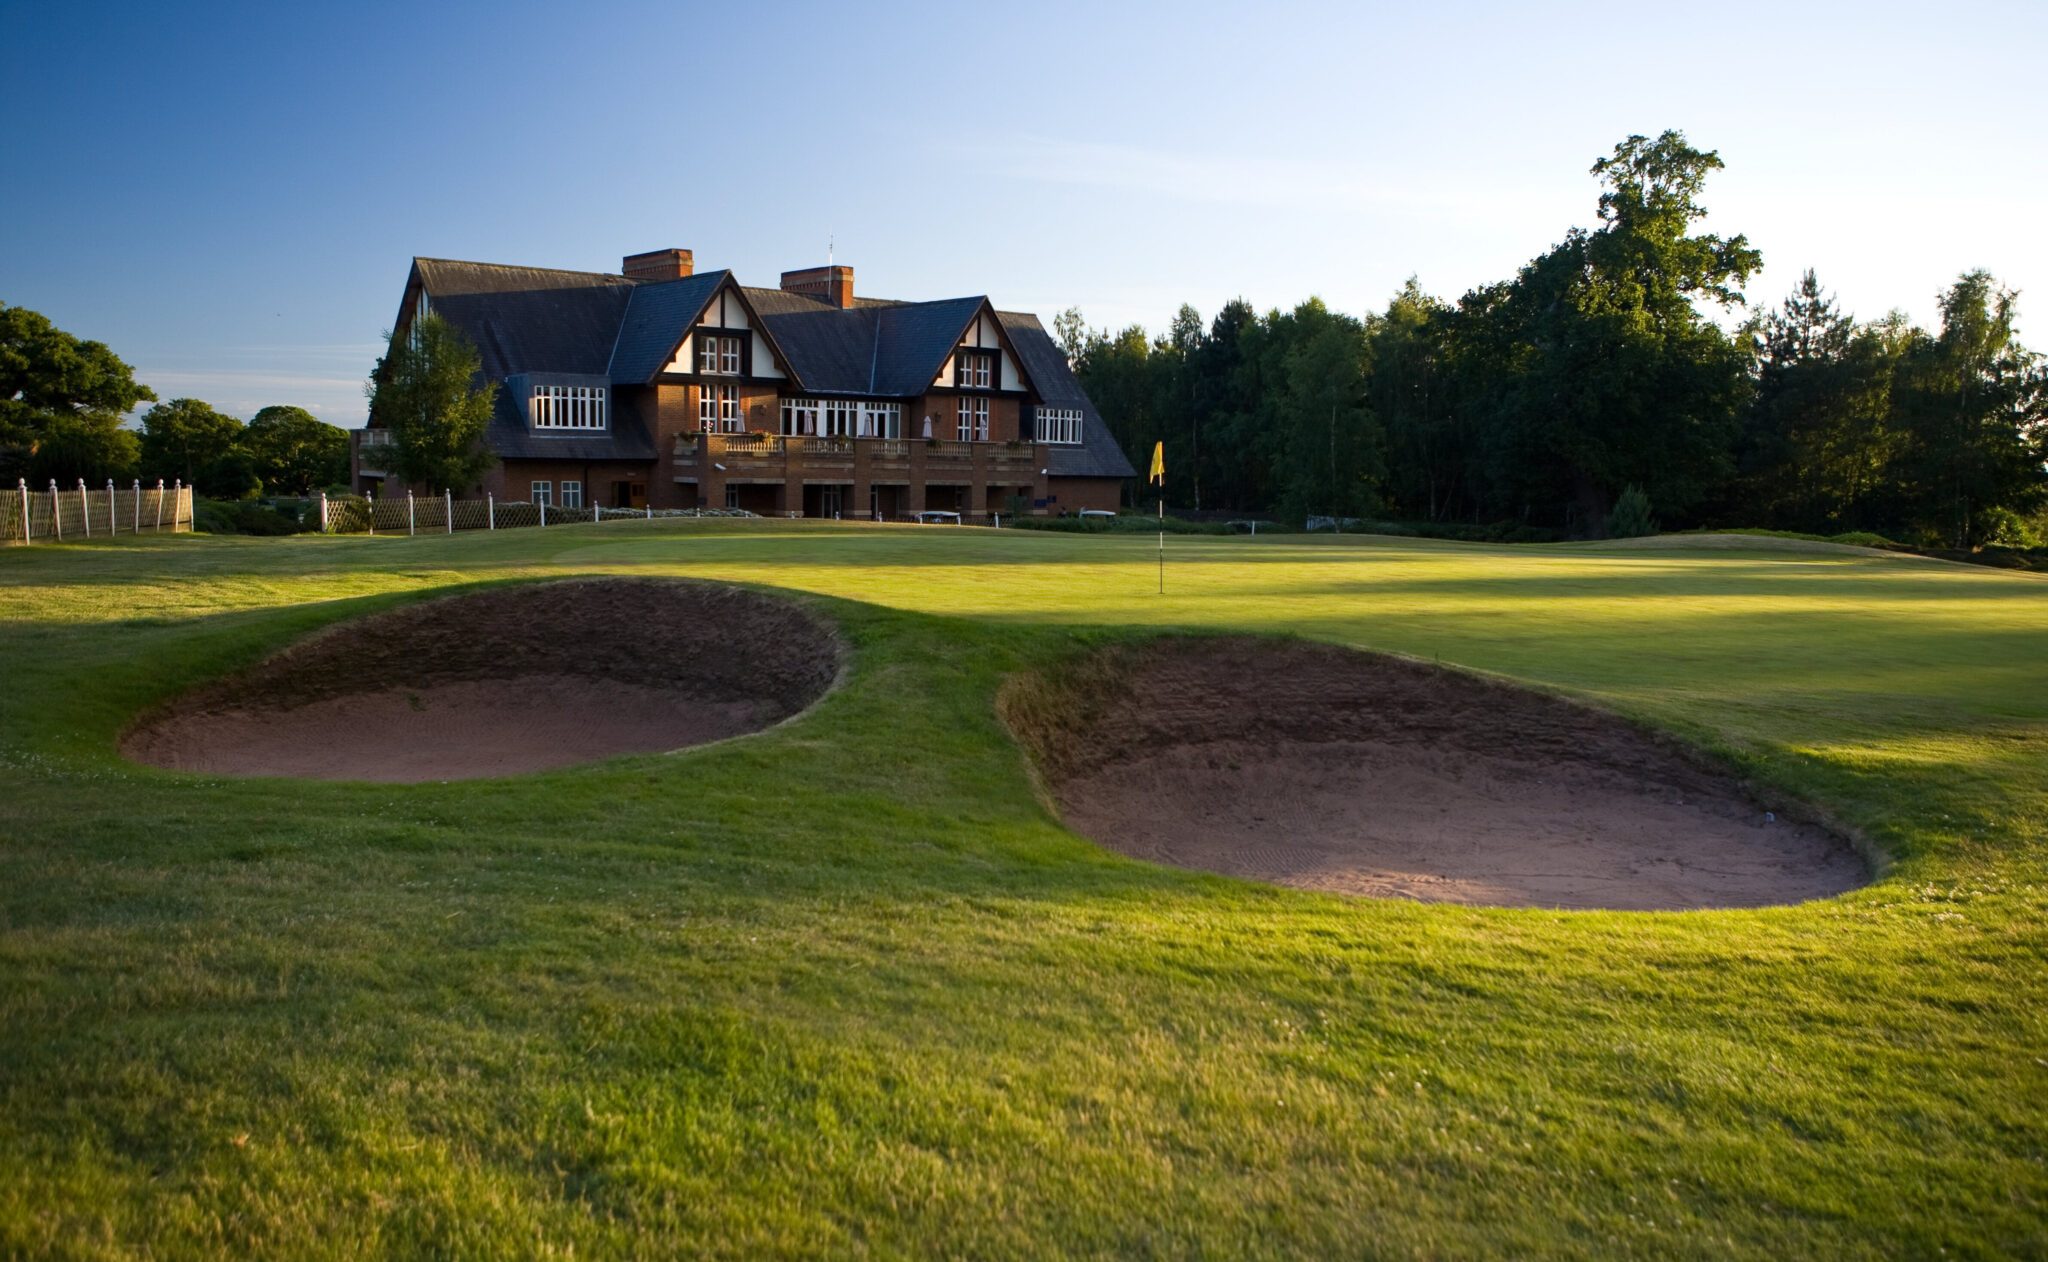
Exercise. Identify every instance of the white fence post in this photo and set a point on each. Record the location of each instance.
(650, 508)
(56, 512)
(543, 513)
(26, 536)
(490, 511)
(323, 512)
(177, 500)
(113, 522)
(159, 506)
(138, 507)
(412, 515)
(448, 495)
(372, 498)
(84, 509)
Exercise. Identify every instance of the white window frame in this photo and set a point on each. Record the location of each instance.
(568, 407)
(840, 418)
(544, 493)
(881, 420)
(572, 495)
(799, 416)
(973, 418)
(732, 496)
(974, 370)
(1058, 425)
(718, 356)
(718, 409)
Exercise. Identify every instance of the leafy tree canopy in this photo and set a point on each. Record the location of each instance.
(184, 439)
(295, 451)
(61, 400)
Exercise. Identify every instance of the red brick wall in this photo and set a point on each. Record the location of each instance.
(1076, 494)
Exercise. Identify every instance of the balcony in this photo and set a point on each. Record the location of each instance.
(854, 460)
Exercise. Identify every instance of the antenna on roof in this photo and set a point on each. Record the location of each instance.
(828, 249)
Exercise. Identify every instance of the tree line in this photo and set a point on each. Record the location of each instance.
(62, 407)
(1590, 394)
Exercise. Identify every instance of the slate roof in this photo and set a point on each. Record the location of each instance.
(1098, 455)
(545, 320)
(654, 323)
(529, 319)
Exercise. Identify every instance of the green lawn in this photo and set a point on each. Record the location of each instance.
(845, 988)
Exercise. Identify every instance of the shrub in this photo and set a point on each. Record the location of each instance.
(1631, 517)
(247, 517)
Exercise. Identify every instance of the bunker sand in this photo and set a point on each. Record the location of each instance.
(1327, 769)
(505, 681)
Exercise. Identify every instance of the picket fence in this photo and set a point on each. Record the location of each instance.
(444, 514)
(70, 516)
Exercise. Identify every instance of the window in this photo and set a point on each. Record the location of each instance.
(842, 417)
(973, 419)
(543, 492)
(799, 416)
(1059, 425)
(881, 420)
(572, 495)
(720, 355)
(567, 407)
(732, 497)
(718, 409)
(974, 370)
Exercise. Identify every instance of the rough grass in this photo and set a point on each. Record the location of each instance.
(843, 988)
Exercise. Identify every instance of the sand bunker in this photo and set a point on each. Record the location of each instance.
(1328, 769)
(504, 681)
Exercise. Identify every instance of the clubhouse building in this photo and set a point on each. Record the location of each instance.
(664, 387)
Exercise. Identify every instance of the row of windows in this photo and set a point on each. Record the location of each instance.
(567, 407)
(974, 370)
(1059, 425)
(544, 493)
(719, 355)
(842, 418)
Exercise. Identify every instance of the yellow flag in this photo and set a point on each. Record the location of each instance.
(1158, 464)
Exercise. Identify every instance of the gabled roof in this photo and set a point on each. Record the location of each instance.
(1098, 455)
(655, 323)
(526, 319)
(879, 348)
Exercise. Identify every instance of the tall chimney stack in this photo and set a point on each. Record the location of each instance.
(658, 265)
(834, 284)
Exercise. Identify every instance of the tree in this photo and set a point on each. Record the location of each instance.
(424, 392)
(1976, 404)
(1071, 332)
(1593, 368)
(1410, 391)
(1821, 436)
(187, 440)
(61, 402)
(293, 450)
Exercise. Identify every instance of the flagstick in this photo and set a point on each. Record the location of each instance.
(1162, 545)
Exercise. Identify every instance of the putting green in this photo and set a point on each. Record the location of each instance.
(845, 987)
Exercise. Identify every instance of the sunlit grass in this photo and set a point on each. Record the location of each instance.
(844, 987)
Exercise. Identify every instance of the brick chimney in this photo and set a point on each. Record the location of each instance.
(833, 284)
(658, 265)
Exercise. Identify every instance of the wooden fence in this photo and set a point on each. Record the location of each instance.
(81, 513)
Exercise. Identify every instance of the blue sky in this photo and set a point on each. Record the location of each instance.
(230, 195)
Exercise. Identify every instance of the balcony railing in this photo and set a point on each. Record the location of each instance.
(772, 446)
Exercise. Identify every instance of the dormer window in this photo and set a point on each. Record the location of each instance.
(719, 356)
(974, 370)
(567, 407)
